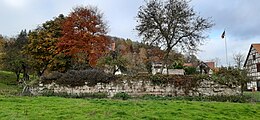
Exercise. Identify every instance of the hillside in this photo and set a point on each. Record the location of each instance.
(8, 84)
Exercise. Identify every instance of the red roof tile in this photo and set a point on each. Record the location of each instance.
(211, 65)
(188, 64)
(257, 47)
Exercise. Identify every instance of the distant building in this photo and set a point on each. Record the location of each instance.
(189, 65)
(157, 67)
(252, 65)
(206, 67)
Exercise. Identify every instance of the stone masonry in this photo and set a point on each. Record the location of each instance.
(141, 87)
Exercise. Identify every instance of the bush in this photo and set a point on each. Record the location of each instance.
(190, 70)
(218, 98)
(53, 76)
(158, 79)
(75, 78)
(232, 77)
(48, 93)
(122, 95)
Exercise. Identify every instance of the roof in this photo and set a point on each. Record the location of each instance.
(188, 64)
(211, 65)
(257, 47)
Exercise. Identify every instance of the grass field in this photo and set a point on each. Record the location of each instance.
(255, 95)
(7, 78)
(49, 108)
(46, 108)
(8, 85)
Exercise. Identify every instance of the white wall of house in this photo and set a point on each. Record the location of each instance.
(118, 72)
(252, 85)
(251, 66)
(156, 69)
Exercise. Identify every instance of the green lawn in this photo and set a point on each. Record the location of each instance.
(8, 85)
(47, 108)
(7, 78)
(255, 95)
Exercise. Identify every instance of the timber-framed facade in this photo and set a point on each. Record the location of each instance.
(252, 65)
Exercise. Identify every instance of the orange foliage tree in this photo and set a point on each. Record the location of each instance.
(84, 35)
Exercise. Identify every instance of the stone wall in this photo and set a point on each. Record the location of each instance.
(142, 87)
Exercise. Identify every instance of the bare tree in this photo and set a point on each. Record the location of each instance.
(171, 23)
(239, 59)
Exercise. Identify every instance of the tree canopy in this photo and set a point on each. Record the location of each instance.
(42, 47)
(12, 58)
(84, 35)
(171, 23)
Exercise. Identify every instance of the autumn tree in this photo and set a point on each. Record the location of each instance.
(42, 47)
(171, 23)
(113, 62)
(9, 59)
(83, 35)
(12, 58)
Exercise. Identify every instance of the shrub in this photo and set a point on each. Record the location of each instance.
(158, 79)
(48, 93)
(233, 98)
(232, 77)
(190, 70)
(122, 95)
(217, 98)
(75, 78)
(53, 76)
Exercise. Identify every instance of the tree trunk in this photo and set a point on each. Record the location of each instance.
(17, 76)
(242, 89)
(114, 69)
(25, 73)
(165, 61)
(40, 72)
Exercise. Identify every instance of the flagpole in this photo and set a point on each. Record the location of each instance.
(226, 49)
(223, 36)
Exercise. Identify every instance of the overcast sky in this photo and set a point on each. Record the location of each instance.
(240, 19)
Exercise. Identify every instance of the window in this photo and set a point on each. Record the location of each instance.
(258, 67)
(254, 57)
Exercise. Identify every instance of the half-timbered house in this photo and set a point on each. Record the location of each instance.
(252, 65)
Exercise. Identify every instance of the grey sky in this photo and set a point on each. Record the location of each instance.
(239, 17)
